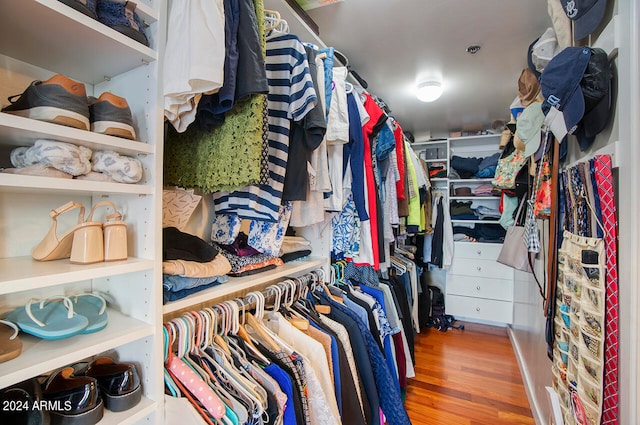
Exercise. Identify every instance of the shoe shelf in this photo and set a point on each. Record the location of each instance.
(36, 184)
(40, 356)
(130, 416)
(24, 273)
(70, 43)
(245, 283)
(18, 131)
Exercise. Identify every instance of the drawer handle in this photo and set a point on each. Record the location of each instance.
(478, 287)
(478, 309)
(479, 268)
(479, 252)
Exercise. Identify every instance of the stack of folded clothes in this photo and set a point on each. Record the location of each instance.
(189, 265)
(51, 158)
(486, 213)
(483, 190)
(468, 168)
(462, 210)
(479, 233)
(246, 260)
(294, 248)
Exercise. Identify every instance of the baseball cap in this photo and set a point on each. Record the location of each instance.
(528, 127)
(544, 49)
(585, 14)
(597, 88)
(560, 83)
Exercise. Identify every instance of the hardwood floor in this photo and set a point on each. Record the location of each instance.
(466, 377)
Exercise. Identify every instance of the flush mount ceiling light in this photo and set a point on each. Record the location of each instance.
(429, 91)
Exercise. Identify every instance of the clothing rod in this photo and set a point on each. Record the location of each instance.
(246, 303)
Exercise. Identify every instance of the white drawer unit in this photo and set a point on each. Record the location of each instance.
(480, 308)
(484, 251)
(480, 268)
(478, 287)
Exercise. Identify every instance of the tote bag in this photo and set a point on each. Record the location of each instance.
(514, 253)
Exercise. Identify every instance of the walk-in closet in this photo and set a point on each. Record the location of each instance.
(308, 212)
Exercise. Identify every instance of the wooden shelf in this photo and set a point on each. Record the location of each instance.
(71, 43)
(41, 356)
(236, 284)
(25, 273)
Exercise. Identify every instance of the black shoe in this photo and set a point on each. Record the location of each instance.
(119, 383)
(21, 404)
(73, 400)
(88, 7)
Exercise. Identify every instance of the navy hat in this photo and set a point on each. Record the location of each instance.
(597, 88)
(585, 14)
(560, 83)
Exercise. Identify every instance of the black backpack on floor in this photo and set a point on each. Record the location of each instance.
(437, 317)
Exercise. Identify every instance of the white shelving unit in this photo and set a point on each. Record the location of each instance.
(40, 38)
(477, 288)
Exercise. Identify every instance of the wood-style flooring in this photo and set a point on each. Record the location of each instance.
(466, 377)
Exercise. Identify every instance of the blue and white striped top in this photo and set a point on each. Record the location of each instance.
(291, 96)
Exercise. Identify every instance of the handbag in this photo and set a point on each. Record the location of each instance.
(508, 168)
(514, 253)
(531, 237)
(531, 231)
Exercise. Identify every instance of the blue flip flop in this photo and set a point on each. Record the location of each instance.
(94, 308)
(49, 319)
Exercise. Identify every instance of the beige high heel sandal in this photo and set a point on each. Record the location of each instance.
(115, 233)
(88, 234)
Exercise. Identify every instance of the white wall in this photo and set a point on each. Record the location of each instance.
(621, 137)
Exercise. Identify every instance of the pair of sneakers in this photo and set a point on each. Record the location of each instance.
(63, 101)
(119, 15)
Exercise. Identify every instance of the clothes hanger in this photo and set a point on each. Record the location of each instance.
(251, 389)
(294, 318)
(282, 27)
(272, 19)
(317, 281)
(241, 331)
(217, 339)
(168, 380)
(256, 327)
(215, 407)
(221, 362)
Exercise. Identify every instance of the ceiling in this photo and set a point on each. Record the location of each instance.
(394, 44)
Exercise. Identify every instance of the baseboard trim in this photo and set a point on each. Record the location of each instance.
(536, 411)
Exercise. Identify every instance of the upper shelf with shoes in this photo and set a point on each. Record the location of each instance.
(74, 43)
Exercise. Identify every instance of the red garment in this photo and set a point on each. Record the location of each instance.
(401, 360)
(400, 157)
(375, 113)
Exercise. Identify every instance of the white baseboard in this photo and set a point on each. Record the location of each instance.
(536, 410)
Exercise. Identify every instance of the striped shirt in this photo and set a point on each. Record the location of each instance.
(291, 96)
